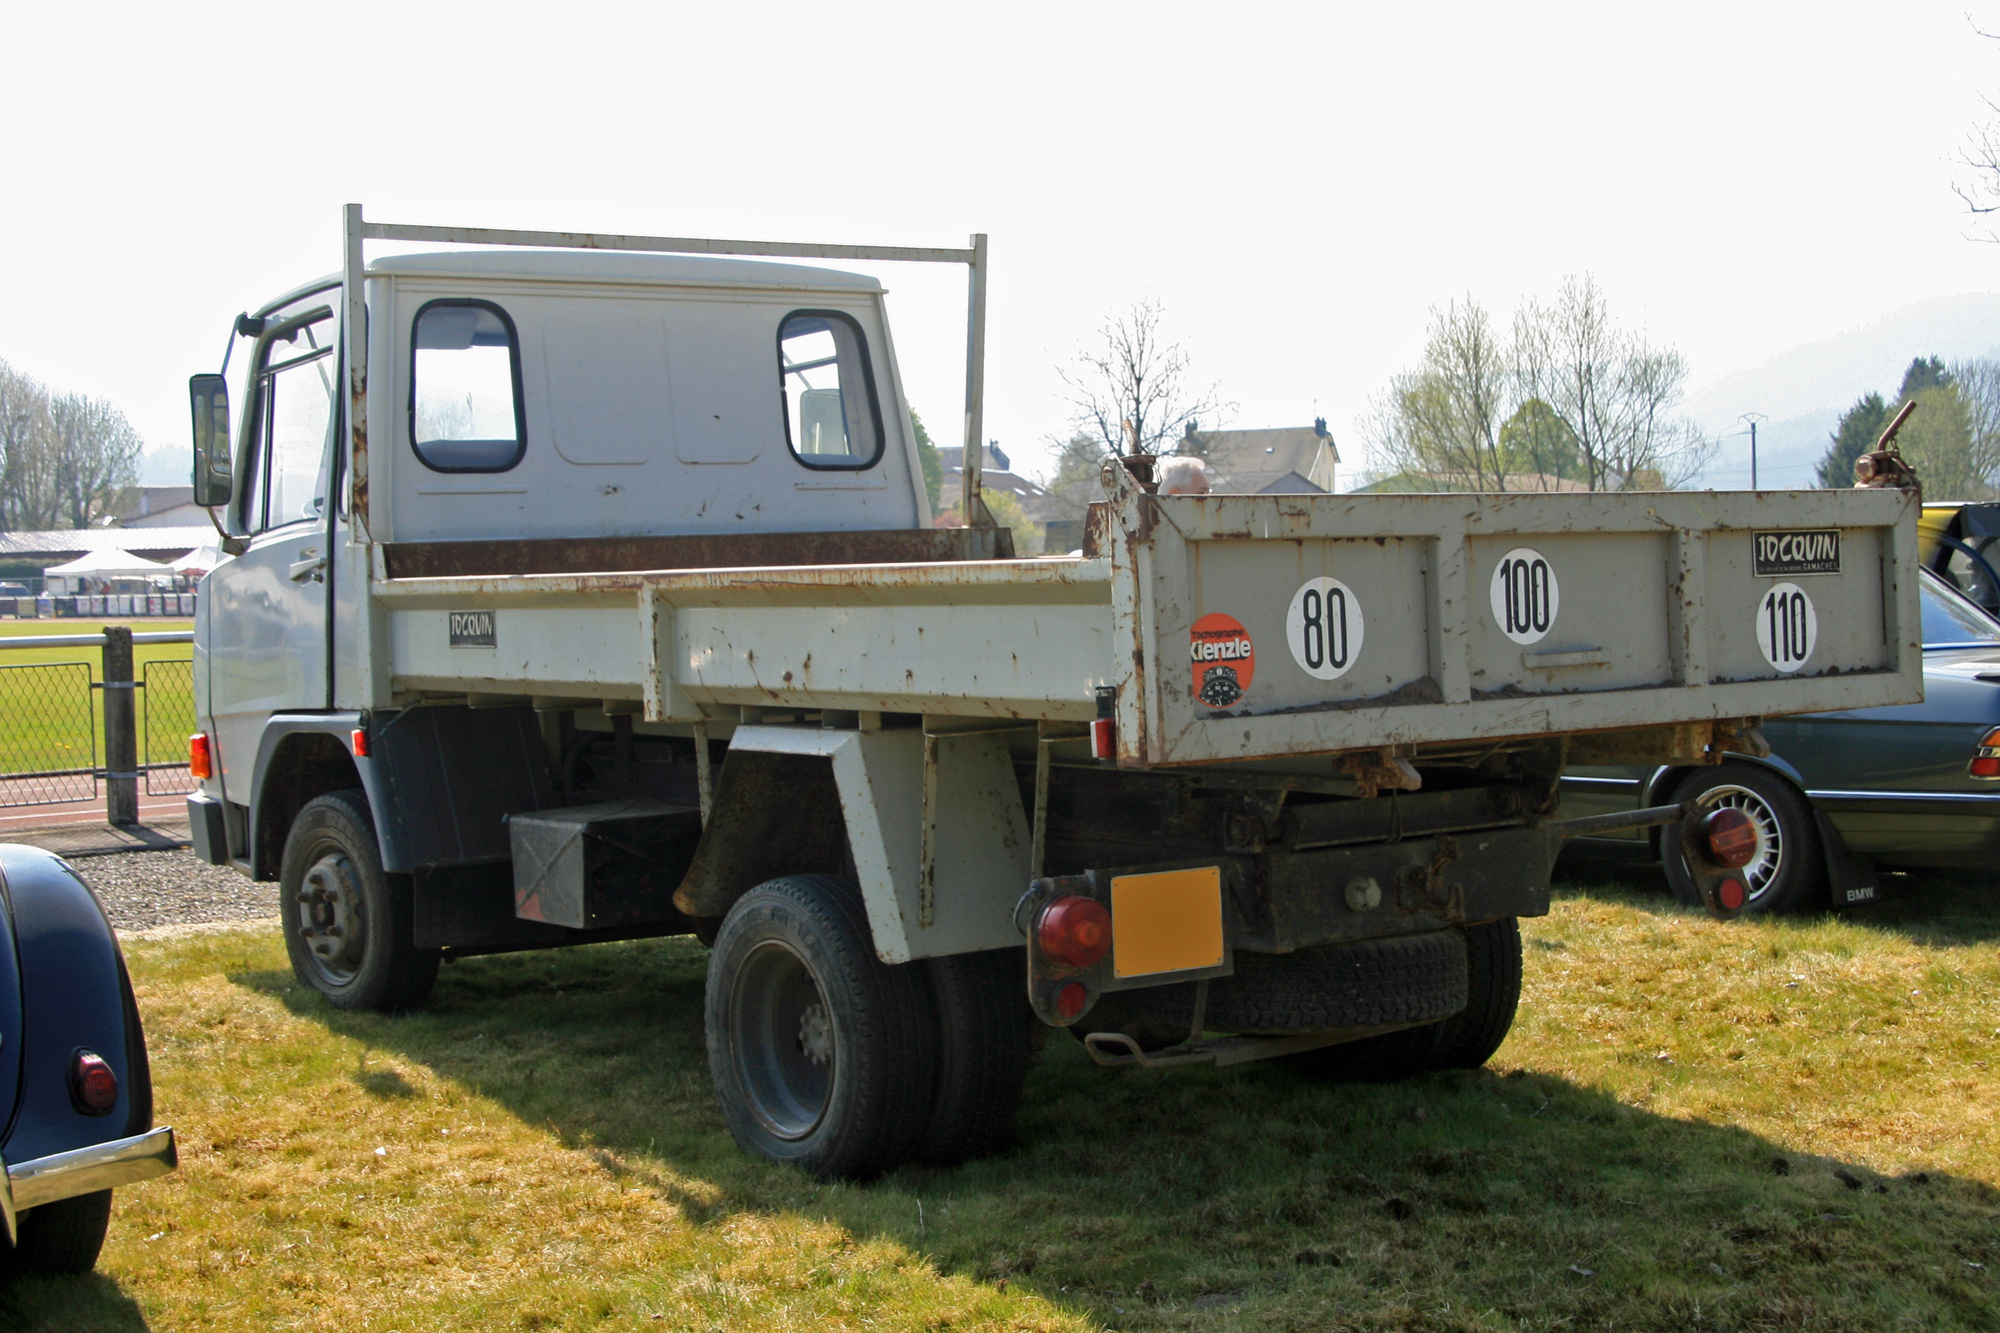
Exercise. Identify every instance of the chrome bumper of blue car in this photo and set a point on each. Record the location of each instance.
(101, 1166)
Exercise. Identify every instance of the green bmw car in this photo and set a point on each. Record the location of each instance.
(1915, 786)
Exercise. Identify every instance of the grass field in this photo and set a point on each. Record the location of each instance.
(48, 712)
(1747, 1126)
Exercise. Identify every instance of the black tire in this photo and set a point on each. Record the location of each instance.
(1408, 979)
(64, 1237)
(1469, 1037)
(823, 1056)
(347, 920)
(1788, 872)
(983, 1054)
(1466, 1040)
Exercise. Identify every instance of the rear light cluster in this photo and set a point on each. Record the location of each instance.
(93, 1084)
(1986, 759)
(199, 762)
(1731, 836)
(1075, 931)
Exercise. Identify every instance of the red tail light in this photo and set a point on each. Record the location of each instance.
(1986, 759)
(1730, 894)
(1731, 837)
(1075, 931)
(1103, 739)
(92, 1084)
(1071, 998)
(199, 763)
(360, 739)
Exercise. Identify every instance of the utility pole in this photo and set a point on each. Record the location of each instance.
(1753, 418)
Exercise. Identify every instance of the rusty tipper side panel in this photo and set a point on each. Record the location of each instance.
(1258, 626)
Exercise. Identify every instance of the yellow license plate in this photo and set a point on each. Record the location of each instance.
(1170, 921)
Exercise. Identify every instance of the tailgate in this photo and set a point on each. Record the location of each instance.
(1259, 625)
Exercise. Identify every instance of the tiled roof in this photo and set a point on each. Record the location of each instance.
(69, 543)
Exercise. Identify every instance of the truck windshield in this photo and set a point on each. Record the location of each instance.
(831, 418)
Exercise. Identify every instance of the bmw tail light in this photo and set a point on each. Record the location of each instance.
(1075, 931)
(1986, 759)
(199, 762)
(93, 1084)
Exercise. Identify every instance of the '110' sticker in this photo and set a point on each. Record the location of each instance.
(1787, 626)
(1323, 628)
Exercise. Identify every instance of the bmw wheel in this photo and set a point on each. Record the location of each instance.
(1786, 871)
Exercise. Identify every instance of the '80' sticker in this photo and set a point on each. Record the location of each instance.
(1324, 628)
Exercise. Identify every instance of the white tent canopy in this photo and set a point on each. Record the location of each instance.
(200, 560)
(112, 564)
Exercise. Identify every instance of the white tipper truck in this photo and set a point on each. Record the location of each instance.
(585, 587)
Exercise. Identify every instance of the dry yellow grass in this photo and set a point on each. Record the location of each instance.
(539, 1150)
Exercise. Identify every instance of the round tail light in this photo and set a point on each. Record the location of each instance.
(1075, 931)
(93, 1085)
(1731, 836)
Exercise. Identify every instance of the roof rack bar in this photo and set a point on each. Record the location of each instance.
(679, 245)
(358, 230)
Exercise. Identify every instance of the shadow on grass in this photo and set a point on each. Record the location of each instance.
(1248, 1195)
(92, 1303)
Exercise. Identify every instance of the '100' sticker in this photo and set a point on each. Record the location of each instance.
(1524, 595)
(1323, 628)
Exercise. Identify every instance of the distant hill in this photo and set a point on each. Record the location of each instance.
(1805, 390)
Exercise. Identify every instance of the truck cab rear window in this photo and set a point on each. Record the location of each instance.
(832, 419)
(465, 388)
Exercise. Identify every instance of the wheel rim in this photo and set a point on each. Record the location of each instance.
(782, 1034)
(1761, 871)
(332, 917)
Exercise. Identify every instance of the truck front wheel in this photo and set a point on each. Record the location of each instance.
(347, 920)
(823, 1056)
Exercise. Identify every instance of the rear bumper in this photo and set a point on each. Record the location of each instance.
(101, 1166)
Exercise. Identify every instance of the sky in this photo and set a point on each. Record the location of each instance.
(1296, 185)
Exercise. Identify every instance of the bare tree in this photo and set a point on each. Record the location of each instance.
(28, 496)
(1132, 391)
(1981, 154)
(96, 454)
(1979, 387)
(1443, 419)
(1615, 392)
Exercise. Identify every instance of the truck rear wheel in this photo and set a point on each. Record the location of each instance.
(823, 1056)
(1466, 1040)
(1404, 979)
(347, 920)
(983, 1054)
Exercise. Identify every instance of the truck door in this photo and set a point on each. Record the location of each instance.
(268, 623)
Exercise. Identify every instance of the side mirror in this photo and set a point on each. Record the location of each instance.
(208, 395)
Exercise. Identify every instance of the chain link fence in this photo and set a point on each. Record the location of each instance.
(166, 719)
(66, 736)
(48, 734)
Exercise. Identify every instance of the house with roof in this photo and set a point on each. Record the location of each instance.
(1287, 460)
(154, 507)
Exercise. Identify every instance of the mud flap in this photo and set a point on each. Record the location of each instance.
(1851, 879)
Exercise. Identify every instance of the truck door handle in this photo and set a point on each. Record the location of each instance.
(308, 565)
